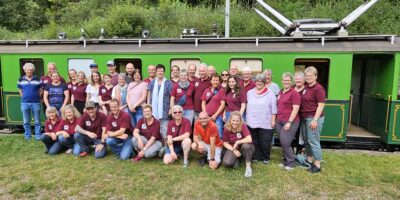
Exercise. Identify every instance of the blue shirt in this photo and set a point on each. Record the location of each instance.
(30, 89)
(56, 93)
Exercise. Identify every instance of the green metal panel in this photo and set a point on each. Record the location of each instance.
(393, 136)
(336, 121)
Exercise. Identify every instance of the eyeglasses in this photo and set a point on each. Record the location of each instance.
(178, 112)
(224, 74)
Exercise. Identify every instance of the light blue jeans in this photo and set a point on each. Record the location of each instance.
(27, 109)
(136, 116)
(189, 114)
(121, 148)
(312, 138)
(220, 125)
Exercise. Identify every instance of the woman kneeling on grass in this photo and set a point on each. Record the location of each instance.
(65, 132)
(178, 137)
(49, 136)
(238, 142)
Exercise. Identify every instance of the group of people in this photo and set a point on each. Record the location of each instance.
(223, 118)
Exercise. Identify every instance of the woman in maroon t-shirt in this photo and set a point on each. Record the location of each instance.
(236, 98)
(78, 94)
(312, 106)
(105, 92)
(237, 142)
(182, 94)
(288, 120)
(72, 77)
(66, 130)
(49, 136)
(299, 80)
(224, 79)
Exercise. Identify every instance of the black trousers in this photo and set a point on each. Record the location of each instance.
(79, 105)
(262, 142)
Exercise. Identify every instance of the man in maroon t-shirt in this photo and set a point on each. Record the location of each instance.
(178, 137)
(91, 130)
(147, 138)
(112, 71)
(151, 70)
(200, 85)
(246, 83)
(119, 131)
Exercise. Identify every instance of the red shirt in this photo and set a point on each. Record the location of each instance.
(248, 87)
(199, 87)
(68, 127)
(47, 79)
(114, 79)
(234, 102)
(50, 127)
(105, 93)
(149, 131)
(94, 126)
(122, 121)
(213, 104)
(231, 137)
(178, 92)
(285, 104)
(175, 130)
(206, 133)
(310, 98)
(79, 92)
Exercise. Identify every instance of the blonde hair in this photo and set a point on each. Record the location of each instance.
(50, 110)
(84, 76)
(228, 125)
(311, 69)
(70, 107)
(147, 106)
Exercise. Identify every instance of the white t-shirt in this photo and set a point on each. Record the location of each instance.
(93, 92)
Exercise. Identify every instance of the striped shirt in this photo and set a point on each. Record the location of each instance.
(30, 89)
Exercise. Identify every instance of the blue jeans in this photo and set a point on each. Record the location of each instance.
(84, 141)
(121, 148)
(27, 109)
(64, 143)
(136, 116)
(220, 125)
(189, 114)
(48, 141)
(312, 138)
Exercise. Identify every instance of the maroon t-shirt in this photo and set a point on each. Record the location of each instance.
(199, 87)
(105, 93)
(310, 97)
(175, 131)
(234, 102)
(79, 92)
(173, 82)
(68, 127)
(47, 79)
(231, 137)
(285, 104)
(248, 87)
(114, 79)
(122, 121)
(94, 126)
(149, 131)
(178, 92)
(69, 86)
(50, 127)
(215, 101)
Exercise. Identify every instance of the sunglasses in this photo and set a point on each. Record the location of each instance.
(178, 112)
(224, 74)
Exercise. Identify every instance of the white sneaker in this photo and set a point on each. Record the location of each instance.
(69, 151)
(282, 166)
(186, 163)
(287, 168)
(161, 152)
(248, 173)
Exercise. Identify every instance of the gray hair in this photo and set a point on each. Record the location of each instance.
(121, 75)
(299, 74)
(50, 110)
(29, 66)
(246, 69)
(311, 70)
(267, 71)
(177, 107)
(183, 71)
(260, 77)
(203, 65)
(287, 74)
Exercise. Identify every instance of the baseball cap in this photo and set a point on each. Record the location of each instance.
(110, 62)
(90, 104)
(93, 65)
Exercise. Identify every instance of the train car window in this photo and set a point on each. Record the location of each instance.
(184, 63)
(254, 64)
(322, 66)
(38, 62)
(121, 64)
(80, 64)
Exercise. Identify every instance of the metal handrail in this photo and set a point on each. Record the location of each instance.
(350, 110)
(387, 113)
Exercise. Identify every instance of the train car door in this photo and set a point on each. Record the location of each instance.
(371, 94)
(1, 94)
(121, 63)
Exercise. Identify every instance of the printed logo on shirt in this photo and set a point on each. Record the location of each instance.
(208, 94)
(50, 126)
(88, 123)
(304, 92)
(103, 90)
(74, 88)
(66, 127)
(234, 95)
(69, 86)
(173, 129)
(196, 84)
(144, 126)
(45, 81)
(179, 90)
(239, 135)
(114, 124)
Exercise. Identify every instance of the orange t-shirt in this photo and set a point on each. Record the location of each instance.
(205, 133)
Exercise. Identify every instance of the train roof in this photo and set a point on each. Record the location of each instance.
(368, 43)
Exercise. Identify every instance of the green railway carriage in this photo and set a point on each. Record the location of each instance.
(360, 73)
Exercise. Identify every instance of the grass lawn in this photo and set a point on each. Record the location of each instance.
(26, 172)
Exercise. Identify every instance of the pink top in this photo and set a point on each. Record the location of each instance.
(135, 91)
